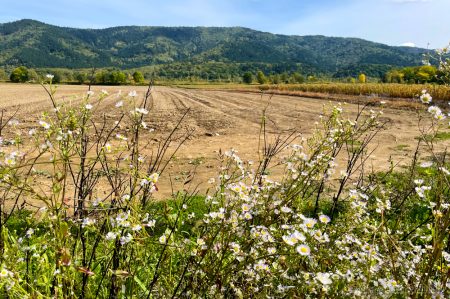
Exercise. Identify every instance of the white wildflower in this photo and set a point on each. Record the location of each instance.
(136, 227)
(163, 239)
(154, 178)
(111, 236)
(236, 248)
(324, 278)
(5, 273)
(126, 239)
(132, 93)
(310, 222)
(121, 137)
(151, 223)
(108, 147)
(425, 97)
(324, 218)
(248, 216)
(418, 182)
(245, 207)
(444, 170)
(286, 209)
(303, 250)
(436, 112)
(44, 124)
(29, 232)
(87, 222)
(426, 164)
(141, 110)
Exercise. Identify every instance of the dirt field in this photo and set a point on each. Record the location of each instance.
(221, 120)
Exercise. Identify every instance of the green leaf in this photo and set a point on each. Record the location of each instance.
(141, 284)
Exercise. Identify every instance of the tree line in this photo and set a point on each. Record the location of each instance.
(413, 75)
(23, 74)
(409, 75)
(287, 78)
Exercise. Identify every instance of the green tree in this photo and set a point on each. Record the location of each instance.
(138, 77)
(284, 77)
(423, 77)
(101, 77)
(118, 77)
(111, 77)
(19, 74)
(297, 78)
(426, 74)
(33, 75)
(394, 76)
(409, 74)
(247, 78)
(3, 75)
(275, 79)
(312, 78)
(80, 77)
(57, 76)
(260, 77)
(68, 75)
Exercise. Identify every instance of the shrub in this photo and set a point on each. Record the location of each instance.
(3, 75)
(81, 78)
(138, 77)
(297, 78)
(33, 76)
(19, 74)
(247, 78)
(111, 77)
(57, 76)
(260, 77)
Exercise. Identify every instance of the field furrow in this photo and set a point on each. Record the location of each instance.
(219, 119)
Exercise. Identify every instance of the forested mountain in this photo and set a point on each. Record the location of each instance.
(38, 45)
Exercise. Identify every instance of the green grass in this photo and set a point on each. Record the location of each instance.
(401, 147)
(440, 136)
(195, 206)
(197, 161)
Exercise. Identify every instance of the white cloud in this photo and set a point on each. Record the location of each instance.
(408, 44)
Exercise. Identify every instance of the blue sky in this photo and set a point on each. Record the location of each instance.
(392, 22)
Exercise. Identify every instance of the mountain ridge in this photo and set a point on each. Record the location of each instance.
(36, 44)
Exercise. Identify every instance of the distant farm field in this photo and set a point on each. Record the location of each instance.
(440, 92)
(374, 91)
(220, 119)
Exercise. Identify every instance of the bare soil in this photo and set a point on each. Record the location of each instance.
(221, 120)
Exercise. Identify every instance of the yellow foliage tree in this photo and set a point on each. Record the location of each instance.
(362, 78)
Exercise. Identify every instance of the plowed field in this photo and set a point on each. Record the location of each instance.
(220, 120)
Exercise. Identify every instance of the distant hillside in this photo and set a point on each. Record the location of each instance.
(35, 44)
